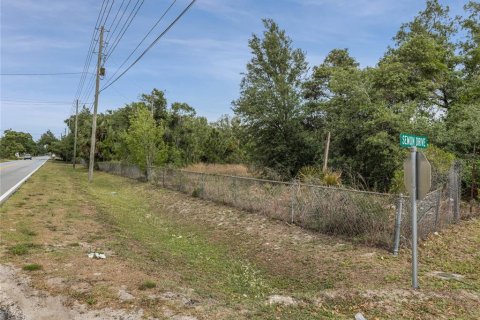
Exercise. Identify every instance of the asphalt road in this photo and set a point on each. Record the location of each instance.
(13, 172)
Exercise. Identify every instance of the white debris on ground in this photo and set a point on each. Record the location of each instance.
(446, 275)
(183, 318)
(283, 300)
(124, 295)
(97, 255)
(359, 316)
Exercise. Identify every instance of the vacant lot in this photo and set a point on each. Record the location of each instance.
(171, 255)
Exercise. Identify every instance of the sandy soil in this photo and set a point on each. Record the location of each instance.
(19, 301)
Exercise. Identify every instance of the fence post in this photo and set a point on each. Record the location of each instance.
(437, 207)
(203, 184)
(163, 177)
(234, 191)
(293, 188)
(456, 196)
(398, 222)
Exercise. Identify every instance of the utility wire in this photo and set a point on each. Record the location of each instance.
(40, 74)
(118, 11)
(117, 36)
(150, 46)
(101, 21)
(91, 84)
(33, 102)
(108, 14)
(148, 33)
(86, 65)
(115, 19)
(123, 30)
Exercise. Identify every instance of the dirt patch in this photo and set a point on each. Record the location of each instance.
(20, 301)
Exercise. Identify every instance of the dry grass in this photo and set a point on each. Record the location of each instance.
(217, 262)
(226, 169)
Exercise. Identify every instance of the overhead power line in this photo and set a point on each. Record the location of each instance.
(112, 31)
(40, 74)
(149, 47)
(91, 47)
(124, 29)
(140, 43)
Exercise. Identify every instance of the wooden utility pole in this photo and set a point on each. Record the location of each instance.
(325, 157)
(151, 104)
(75, 136)
(95, 107)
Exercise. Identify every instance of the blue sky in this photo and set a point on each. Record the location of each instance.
(199, 61)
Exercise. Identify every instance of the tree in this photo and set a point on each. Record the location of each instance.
(471, 53)
(364, 131)
(144, 140)
(270, 104)
(157, 102)
(223, 142)
(14, 142)
(423, 67)
(46, 142)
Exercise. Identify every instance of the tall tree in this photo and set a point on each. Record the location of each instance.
(144, 140)
(423, 67)
(46, 142)
(157, 102)
(364, 131)
(270, 104)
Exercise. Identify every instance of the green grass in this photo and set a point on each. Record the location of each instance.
(232, 269)
(147, 284)
(21, 248)
(32, 267)
(28, 231)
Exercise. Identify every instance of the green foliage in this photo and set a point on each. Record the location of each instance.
(427, 83)
(144, 140)
(46, 142)
(440, 160)
(331, 178)
(315, 175)
(21, 248)
(13, 142)
(147, 284)
(270, 103)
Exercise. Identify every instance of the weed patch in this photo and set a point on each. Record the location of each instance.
(32, 267)
(148, 284)
(21, 248)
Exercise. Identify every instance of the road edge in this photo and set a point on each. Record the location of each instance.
(12, 190)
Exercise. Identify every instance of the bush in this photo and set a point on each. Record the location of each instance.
(314, 175)
(363, 217)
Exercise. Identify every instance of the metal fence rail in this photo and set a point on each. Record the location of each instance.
(366, 217)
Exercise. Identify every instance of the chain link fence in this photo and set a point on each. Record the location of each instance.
(439, 208)
(371, 218)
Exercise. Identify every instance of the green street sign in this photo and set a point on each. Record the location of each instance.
(410, 140)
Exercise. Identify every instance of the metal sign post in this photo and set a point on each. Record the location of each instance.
(413, 196)
(417, 179)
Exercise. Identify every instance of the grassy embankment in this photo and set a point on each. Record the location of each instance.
(180, 255)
